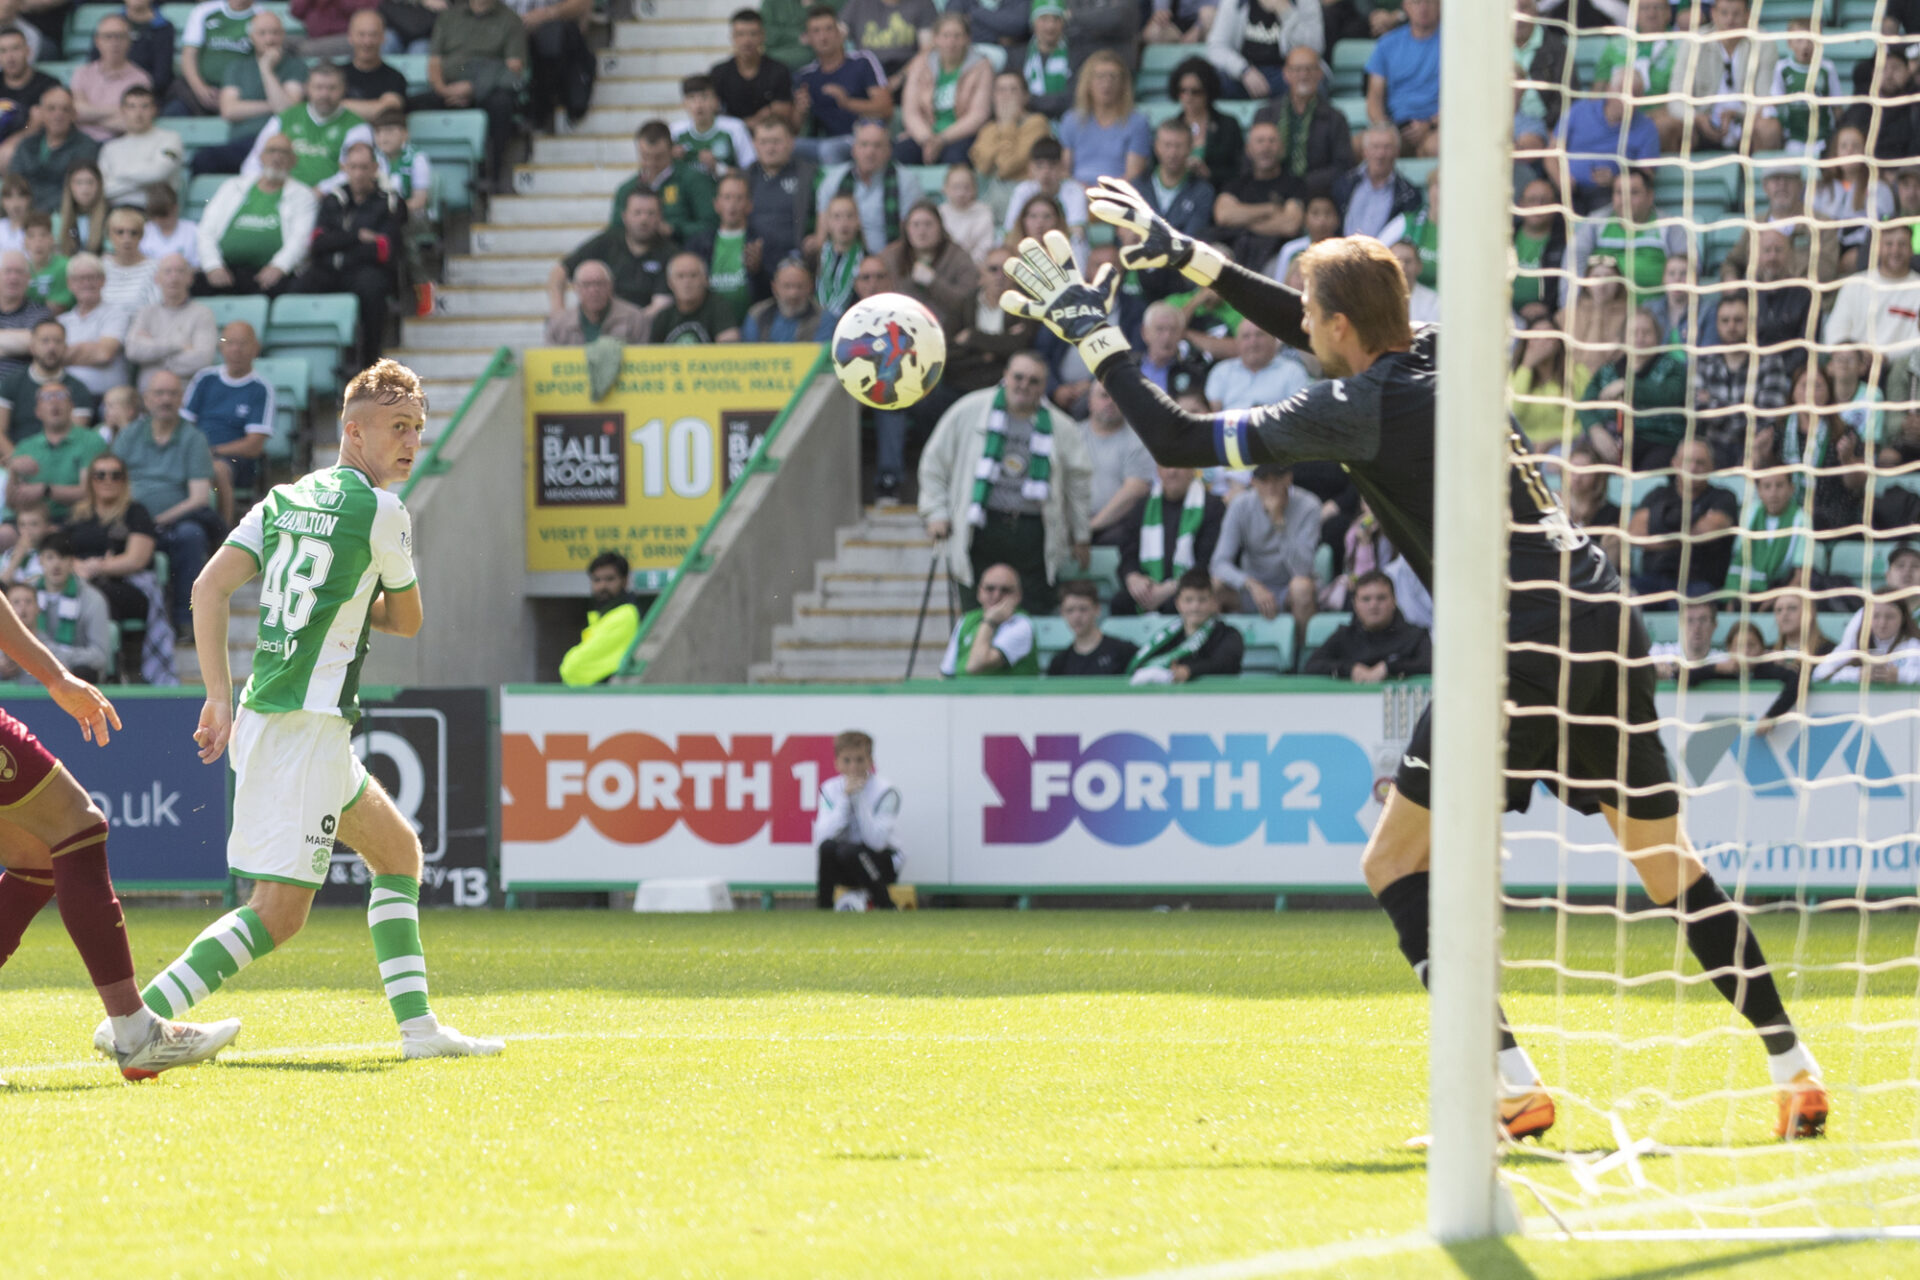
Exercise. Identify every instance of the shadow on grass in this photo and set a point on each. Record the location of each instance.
(1497, 1260)
(1412, 1165)
(334, 1066)
(107, 1080)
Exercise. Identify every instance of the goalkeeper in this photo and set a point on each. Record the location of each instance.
(1374, 413)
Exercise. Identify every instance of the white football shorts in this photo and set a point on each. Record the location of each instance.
(294, 775)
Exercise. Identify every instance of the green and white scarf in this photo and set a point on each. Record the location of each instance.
(1161, 652)
(889, 197)
(834, 290)
(1039, 461)
(1047, 72)
(65, 611)
(1153, 532)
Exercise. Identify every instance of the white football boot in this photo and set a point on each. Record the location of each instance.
(168, 1044)
(445, 1042)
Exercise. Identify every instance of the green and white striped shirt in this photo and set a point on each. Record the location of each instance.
(324, 544)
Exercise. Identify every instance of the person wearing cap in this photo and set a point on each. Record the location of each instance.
(1266, 548)
(1048, 69)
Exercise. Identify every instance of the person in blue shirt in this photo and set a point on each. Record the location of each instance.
(1403, 79)
(1599, 136)
(791, 314)
(233, 407)
(836, 91)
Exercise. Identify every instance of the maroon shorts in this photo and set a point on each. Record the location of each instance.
(25, 764)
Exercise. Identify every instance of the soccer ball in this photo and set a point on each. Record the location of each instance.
(889, 351)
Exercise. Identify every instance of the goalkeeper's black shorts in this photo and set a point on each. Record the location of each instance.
(1582, 746)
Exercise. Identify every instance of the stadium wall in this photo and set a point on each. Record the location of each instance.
(469, 521)
(719, 619)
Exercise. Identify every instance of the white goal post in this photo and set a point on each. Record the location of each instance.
(1807, 817)
(1470, 570)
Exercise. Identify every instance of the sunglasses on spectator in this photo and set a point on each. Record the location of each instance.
(116, 475)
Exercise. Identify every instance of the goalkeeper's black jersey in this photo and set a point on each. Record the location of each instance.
(1380, 426)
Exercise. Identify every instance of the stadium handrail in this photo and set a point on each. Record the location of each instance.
(500, 366)
(697, 560)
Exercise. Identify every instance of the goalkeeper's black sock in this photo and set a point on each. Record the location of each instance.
(1405, 902)
(1723, 941)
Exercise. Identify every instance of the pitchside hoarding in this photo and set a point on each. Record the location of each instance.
(1194, 789)
(167, 811)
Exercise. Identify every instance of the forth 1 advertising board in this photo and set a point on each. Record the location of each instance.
(1193, 788)
(641, 470)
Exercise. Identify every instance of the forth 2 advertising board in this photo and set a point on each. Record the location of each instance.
(1191, 788)
(642, 470)
(430, 749)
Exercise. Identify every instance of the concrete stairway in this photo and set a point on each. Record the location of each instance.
(495, 295)
(856, 626)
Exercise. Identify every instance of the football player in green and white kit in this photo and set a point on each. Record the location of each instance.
(336, 551)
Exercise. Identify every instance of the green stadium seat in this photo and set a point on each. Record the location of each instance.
(1716, 243)
(1319, 628)
(1050, 636)
(1136, 628)
(1731, 618)
(451, 137)
(291, 388)
(1848, 561)
(78, 40)
(318, 328)
(1855, 15)
(451, 190)
(1323, 563)
(1353, 107)
(199, 131)
(199, 191)
(251, 309)
(1103, 570)
(314, 318)
(1586, 60)
(1155, 112)
(1350, 67)
(1244, 112)
(932, 177)
(1157, 62)
(1774, 15)
(1269, 643)
(61, 71)
(413, 66)
(1663, 626)
(1417, 169)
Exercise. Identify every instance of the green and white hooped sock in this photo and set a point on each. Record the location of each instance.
(223, 949)
(393, 915)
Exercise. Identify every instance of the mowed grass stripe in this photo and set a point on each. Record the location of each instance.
(962, 1093)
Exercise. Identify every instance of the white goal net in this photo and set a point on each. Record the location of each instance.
(1713, 360)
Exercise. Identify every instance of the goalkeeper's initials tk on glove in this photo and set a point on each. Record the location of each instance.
(1053, 292)
(1116, 201)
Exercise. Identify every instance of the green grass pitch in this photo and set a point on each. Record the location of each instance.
(941, 1094)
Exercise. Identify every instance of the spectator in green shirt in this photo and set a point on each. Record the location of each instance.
(698, 315)
(477, 58)
(686, 192)
(253, 90)
(44, 160)
(20, 390)
(50, 467)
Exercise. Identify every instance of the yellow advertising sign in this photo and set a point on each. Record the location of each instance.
(642, 470)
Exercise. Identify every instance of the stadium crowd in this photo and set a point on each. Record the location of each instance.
(1714, 226)
(134, 421)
